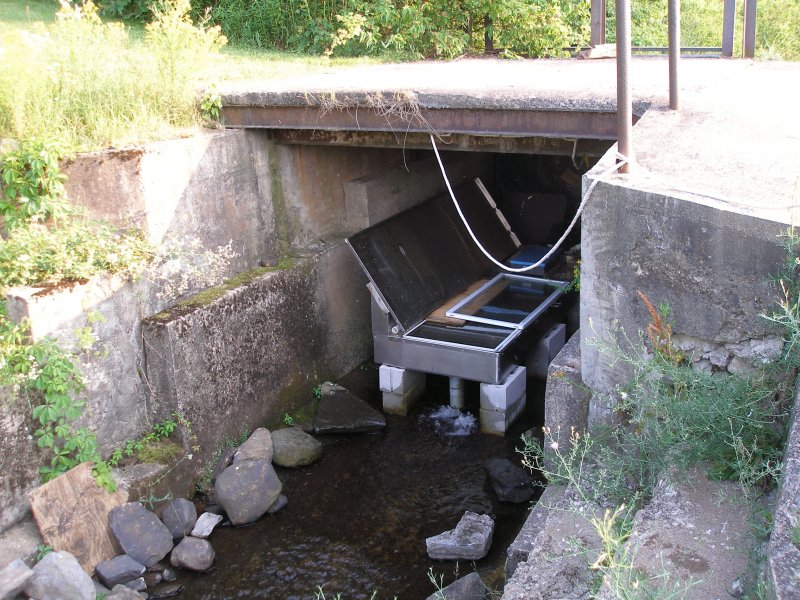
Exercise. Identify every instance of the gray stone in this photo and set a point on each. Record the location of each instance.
(522, 545)
(279, 504)
(169, 575)
(342, 412)
(58, 576)
(194, 554)
(179, 516)
(719, 357)
(470, 540)
(166, 590)
(140, 533)
(205, 525)
(247, 489)
(767, 349)
(225, 461)
(783, 552)
(123, 592)
(741, 366)
(153, 579)
(13, 578)
(100, 589)
(118, 570)
(566, 402)
(469, 587)
(510, 482)
(137, 585)
(257, 447)
(293, 447)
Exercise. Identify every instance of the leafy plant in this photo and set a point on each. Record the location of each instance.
(288, 420)
(317, 391)
(211, 104)
(33, 185)
(42, 550)
(203, 484)
(159, 432)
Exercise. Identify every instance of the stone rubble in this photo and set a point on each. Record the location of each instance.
(510, 482)
(257, 447)
(119, 569)
(470, 540)
(58, 576)
(205, 525)
(13, 578)
(469, 587)
(341, 412)
(179, 516)
(194, 554)
(247, 489)
(140, 533)
(293, 447)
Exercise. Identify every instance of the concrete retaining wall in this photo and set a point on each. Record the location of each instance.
(245, 356)
(711, 265)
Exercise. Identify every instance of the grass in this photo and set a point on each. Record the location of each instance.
(134, 84)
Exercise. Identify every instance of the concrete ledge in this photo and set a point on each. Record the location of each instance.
(522, 545)
(783, 552)
(236, 357)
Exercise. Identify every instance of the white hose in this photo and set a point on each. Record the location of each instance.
(556, 246)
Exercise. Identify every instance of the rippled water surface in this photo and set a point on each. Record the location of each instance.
(357, 519)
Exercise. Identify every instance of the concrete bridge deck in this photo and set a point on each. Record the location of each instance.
(735, 143)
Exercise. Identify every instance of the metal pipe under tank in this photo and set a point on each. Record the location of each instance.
(457, 393)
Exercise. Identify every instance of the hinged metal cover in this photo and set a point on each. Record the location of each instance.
(423, 256)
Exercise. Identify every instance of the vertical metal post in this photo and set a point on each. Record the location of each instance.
(749, 33)
(728, 26)
(624, 107)
(674, 17)
(598, 23)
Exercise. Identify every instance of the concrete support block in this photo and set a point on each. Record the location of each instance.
(501, 404)
(546, 351)
(400, 387)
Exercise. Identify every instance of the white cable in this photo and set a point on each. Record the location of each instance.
(556, 246)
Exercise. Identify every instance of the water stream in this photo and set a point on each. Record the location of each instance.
(357, 519)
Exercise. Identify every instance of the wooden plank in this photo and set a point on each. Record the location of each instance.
(439, 316)
(71, 512)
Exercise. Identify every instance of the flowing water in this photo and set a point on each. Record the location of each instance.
(357, 520)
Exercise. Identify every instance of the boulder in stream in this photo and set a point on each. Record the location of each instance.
(13, 578)
(247, 489)
(510, 482)
(293, 447)
(469, 587)
(193, 553)
(59, 575)
(205, 525)
(341, 412)
(119, 569)
(140, 533)
(257, 447)
(123, 592)
(179, 516)
(279, 504)
(470, 540)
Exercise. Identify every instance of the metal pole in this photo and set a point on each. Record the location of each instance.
(749, 34)
(674, 15)
(728, 26)
(624, 108)
(598, 23)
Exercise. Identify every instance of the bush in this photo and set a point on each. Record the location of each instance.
(83, 82)
(412, 28)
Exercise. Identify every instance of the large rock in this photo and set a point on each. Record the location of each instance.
(13, 578)
(123, 592)
(205, 525)
(293, 447)
(279, 504)
(470, 540)
(179, 516)
(119, 569)
(193, 553)
(510, 482)
(247, 489)
(469, 587)
(57, 576)
(257, 447)
(341, 412)
(140, 533)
